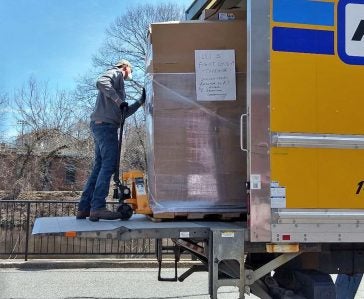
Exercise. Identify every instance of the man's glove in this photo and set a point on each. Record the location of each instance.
(142, 98)
(124, 106)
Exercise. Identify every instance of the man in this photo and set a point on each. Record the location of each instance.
(105, 121)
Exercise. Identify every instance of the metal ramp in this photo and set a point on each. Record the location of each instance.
(138, 227)
(224, 241)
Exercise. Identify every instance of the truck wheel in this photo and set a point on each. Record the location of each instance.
(126, 211)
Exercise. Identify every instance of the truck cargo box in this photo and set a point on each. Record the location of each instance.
(305, 121)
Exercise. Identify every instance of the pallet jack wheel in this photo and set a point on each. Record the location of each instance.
(126, 211)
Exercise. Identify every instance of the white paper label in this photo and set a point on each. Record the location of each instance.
(278, 192)
(274, 184)
(140, 189)
(215, 75)
(226, 16)
(255, 182)
(228, 235)
(278, 202)
(277, 196)
(184, 234)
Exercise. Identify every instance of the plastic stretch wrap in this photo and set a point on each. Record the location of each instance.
(195, 163)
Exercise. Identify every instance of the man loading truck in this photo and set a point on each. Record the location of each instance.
(105, 121)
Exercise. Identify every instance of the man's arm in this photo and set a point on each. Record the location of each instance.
(135, 106)
(105, 85)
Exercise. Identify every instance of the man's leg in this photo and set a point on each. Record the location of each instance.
(85, 202)
(84, 205)
(108, 145)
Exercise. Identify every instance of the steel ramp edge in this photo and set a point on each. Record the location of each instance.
(60, 225)
(139, 226)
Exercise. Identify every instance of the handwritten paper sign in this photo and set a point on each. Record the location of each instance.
(215, 75)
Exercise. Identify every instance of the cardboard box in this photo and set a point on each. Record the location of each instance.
(223, 15)
(172, 45)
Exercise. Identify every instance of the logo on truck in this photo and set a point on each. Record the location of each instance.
(351, 31)
(293, 35)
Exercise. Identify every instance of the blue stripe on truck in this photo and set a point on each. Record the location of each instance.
(304, 12)
(303, 40)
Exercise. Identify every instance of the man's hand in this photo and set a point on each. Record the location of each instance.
(142, 98)
(124, 106)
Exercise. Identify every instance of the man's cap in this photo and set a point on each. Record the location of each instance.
(123, 62)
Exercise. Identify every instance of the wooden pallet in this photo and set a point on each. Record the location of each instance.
(195, 216)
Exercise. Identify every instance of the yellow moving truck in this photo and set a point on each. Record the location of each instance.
(302, 136)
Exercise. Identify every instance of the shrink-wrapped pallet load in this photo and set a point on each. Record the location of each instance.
(195, 164)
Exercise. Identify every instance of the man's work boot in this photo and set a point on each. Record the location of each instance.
(105, 214)
(82, 214)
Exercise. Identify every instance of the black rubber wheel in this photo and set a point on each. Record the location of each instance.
(126, 211)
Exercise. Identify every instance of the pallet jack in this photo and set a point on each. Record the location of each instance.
(121, 192)
(130, 192)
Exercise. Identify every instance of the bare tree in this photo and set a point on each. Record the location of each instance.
(134, 151)
(127, 38)
(50, 127)
(3, 110)
(41, 109)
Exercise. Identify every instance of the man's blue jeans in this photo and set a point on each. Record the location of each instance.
(106, 148)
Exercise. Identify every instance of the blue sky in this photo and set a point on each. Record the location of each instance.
(54, 40)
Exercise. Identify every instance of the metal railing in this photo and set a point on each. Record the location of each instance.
(16, 222)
